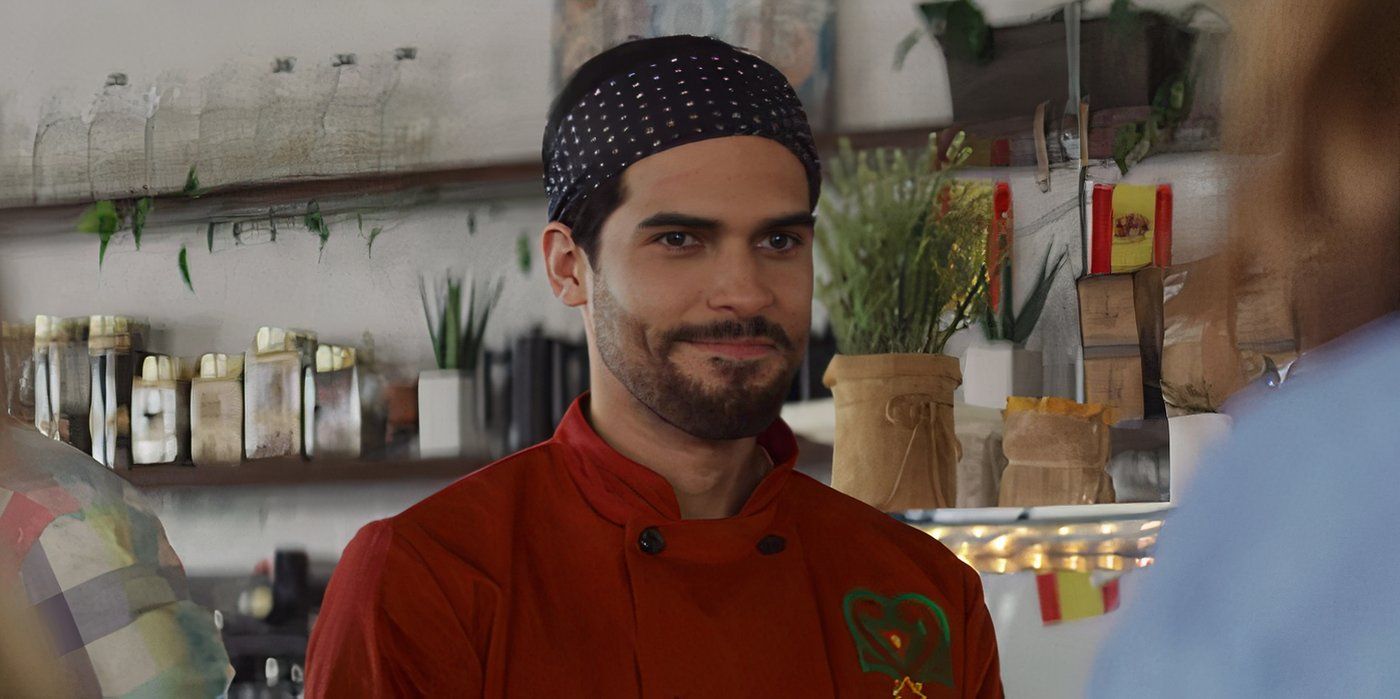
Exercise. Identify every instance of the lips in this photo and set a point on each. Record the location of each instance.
(736, 349)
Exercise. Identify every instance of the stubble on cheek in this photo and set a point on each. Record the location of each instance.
(726, 400)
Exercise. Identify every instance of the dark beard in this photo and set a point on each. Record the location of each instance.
(734, 411)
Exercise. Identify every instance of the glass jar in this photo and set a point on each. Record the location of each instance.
(275, 406)
(216, 411)
(160, 397)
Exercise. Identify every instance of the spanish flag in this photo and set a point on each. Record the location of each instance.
(1066, 595)
(1131, 228)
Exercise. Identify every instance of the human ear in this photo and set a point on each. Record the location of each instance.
(565, 264)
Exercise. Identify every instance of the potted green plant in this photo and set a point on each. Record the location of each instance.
(451, 399)
(903, 243)
(1002, 69)
(1004, 367)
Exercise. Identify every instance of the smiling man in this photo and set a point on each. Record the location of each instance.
(661, 543)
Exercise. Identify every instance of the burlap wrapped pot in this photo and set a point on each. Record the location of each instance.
(895, 446)
(1054, 460)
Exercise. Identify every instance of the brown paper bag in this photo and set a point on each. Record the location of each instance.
(1054, 460)
(895, 446)
(1199, 357)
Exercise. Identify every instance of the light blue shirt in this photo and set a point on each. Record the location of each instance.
(1279, 575)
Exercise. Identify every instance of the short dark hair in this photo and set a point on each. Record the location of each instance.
(590, 211)
(587, 218)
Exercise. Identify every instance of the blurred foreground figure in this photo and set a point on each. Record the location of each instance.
(1276, 577)
(93, 601)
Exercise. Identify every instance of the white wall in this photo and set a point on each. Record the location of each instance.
(495, 57)
(343, 293)
(226, 530)
(499, 58)
(201, 90)
(477, 92)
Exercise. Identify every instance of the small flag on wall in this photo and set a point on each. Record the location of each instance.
(999, 247)
(1066, 595)
(1131, 229)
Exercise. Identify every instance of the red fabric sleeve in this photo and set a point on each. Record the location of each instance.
(386, 629)
(982, 676)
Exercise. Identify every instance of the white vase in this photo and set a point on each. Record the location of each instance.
(450, 415)
(1190, 436)
(995, 371)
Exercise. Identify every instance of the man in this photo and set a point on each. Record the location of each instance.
(93, 601)
(661, 543)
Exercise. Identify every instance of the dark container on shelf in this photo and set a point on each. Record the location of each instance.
(63, 379)
(1029, 65)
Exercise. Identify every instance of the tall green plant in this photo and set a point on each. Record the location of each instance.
(457, 335)
(1004, 323)
(904, 245)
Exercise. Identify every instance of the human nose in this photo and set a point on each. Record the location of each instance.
(739, 285)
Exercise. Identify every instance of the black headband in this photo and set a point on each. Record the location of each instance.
(663, 101)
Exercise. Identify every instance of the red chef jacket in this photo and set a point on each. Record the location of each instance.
(566, 571)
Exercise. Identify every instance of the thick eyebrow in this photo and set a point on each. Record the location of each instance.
(671, 218)
(801, 219)
(679, 220)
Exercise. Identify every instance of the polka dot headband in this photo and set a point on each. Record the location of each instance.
(669, 100)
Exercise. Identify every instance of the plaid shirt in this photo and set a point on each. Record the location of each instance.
(80, 547)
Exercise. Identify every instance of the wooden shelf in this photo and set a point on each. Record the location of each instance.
(289, 198)
(276, 472)
(337, 195)
(516, 179)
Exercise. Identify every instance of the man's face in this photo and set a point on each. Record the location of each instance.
(701, 302)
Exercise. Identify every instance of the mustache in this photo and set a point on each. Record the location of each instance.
(757, 327)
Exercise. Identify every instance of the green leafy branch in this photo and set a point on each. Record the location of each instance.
(1171, 105)
(191, 188)
(373, 233)
(904, 245)
(316, 223)
(1171, 101)
(107, 217)
(958, 25)
(184, 263)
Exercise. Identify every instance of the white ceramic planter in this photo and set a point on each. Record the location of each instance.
(1189, 437)
(993, 372)
(450, 415)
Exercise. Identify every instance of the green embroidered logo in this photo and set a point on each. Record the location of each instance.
(905, 637)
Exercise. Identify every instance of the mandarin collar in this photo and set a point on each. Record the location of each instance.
(621, 489)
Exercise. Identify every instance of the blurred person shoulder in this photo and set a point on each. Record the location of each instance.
(1280, 519)
(57, 476)
(79, 546)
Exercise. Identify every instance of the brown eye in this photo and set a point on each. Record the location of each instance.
(675, 239)
(781, 241)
